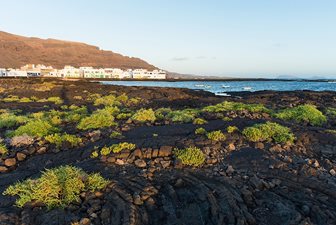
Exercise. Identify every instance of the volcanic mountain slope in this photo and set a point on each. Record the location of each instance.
(16, 51)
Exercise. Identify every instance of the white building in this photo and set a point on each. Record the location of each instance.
(69, 71)
(140, 74)
(17, 73)
(145, 74)
(3, 72)
(90, 72)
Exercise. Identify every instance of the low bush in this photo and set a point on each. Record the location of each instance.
(184, 116)
(99, 119)
(11, 98)
(162, 113)
(56, 187)
(331, 112)
(144, 115)
(199, 121)
(235, 106)
(200, 131)
(231, 129)
(303, 113)
(116, 148)
(216, 135)
(3, 149)
(8, 120)
(267, 132)
(35, 128)
(59, 139)
(116, 134)
(56, 100)
(191, 156)
(108, 100)
(124, 116)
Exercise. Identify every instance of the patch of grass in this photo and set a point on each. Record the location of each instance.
(25, 100)
(190, 156)
(235, 106)
(231, 129)
(184, 116)
(116, 148)
(56, 187)
(35, 128)
(3, 149)
(216, 135)
(303, 113)
(199, 121)
(124, 116)
(59, 139)
(331, 112)
(56, 100)
(144, 115)
(11, 98)
(108, 100)
(200, 131)
(116, 134)
(331, 132)
(162, 113)
(8, 120)
(99, 119)
(267, 132)
(94, 154)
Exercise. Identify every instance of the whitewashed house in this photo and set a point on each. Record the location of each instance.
(17, 73)
(157, 74)
(70, 71)
(140, 74)
(3, 72)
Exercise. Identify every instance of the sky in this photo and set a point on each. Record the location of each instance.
(235, 38)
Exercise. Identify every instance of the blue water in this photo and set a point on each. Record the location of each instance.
(222, 87)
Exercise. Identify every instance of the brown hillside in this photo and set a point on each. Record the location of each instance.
(16, 51)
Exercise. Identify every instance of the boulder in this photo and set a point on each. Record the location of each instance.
(21, 140)
(140, 163)
(165, 151)
(10, 162)
(20, 156)
(3, 169)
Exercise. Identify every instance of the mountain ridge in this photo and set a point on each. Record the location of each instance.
(17, 50)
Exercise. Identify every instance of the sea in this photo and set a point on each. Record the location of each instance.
(224, 88)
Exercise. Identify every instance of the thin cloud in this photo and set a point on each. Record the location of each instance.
(180, 58)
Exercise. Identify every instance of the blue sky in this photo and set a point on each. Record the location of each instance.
(250, 38)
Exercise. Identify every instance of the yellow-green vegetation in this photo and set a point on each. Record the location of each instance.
(235, 106)
(3, 149)
(200, 131)
(8, 120)
(184, 116)
(115, 148)
(303, 113)
(56, 187)
(231, 129)
(99, 119)
(45, 86)
(35, 128)
(162, 113)
(108, 100)
(59, 139)
(216, 135)
(331, 132)
(94, 154)
(199, 121)
(191, 156)
(116, 134)
(227, 118)
(56, 100)
(123, 116)
(267, 132)
(144, 115)
(331, 112)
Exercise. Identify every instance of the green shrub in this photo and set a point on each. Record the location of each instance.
(59, 139)
(231, 129)
(162, 113)
(184, 116)
(331, 112)
(35, 128)
(200, 131)
(191, 156)
(267, 132)
(216, 135)
(199, 121)
(3, 149)
(108, 100)
(116, 148)
(303, 113)
(25, 99)
(116, 134)
(124, 116)
(56, 187)
(99, 119)
(11, 98)
(235, 106)
(56, 100)
(8, 120)
(144, 115)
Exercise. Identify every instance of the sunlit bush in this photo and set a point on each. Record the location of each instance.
(191, 156)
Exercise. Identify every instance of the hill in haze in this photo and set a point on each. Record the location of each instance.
(16, 51)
